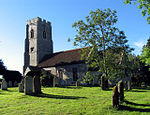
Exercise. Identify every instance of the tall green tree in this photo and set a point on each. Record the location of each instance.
(134, 64)
(144, 5)
(2, 67)
(145, 56)
(104, 41)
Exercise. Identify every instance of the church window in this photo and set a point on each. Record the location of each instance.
(44, 34)
(32, 49)
(32, 33)
(74, 71)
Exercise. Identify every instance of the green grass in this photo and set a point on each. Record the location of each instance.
(73, 101)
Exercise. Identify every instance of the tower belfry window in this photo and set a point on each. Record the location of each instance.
(32, 49)
(32, 33)
(44, 34)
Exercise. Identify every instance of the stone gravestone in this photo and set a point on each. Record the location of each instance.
(4, 85)
(10, 83)
(36, 85)
(15, 83)
(21, 86)
(28, 85)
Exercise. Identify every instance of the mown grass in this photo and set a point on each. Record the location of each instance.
(73, 101)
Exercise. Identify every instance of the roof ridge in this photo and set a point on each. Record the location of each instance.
(72, 50)
(75, 49)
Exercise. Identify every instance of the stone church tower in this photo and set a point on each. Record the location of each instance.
(38, 41)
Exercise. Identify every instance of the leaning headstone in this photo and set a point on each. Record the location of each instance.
(28, 85)
(36, 85)
(21, 87)
(115, 97)
(4, 85)
(121, 90)
(10, 83)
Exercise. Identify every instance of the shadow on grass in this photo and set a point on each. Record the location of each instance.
(4, 92)
(10, 90)
(136, 104)
(58, 96)
(107, 90)
(71, 87)
(127, 108)
(136, 91)
(145, 88)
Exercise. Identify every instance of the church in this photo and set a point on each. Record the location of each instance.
(67, 66)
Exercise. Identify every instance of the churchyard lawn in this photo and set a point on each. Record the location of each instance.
(73, 101)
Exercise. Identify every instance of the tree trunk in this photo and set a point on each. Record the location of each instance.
(103, 82)
(129, 85)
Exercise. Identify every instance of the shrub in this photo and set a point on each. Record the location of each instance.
(46, 79)
(87, 79)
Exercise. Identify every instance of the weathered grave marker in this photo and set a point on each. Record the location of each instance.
(10, 83)
(36, 85)
(4, 85)
(21, 86)
(28, 85)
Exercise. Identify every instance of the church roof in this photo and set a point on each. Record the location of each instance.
(62, 58)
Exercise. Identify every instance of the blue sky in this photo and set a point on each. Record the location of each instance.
(62, 14)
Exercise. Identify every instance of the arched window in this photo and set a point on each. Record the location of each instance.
(44, 34)
(32, 33)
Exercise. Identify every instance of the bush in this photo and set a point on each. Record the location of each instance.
(46, 79)
(87, 79)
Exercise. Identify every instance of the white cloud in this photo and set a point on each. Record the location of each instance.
(138, 45)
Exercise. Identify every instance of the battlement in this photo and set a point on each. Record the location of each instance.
(38, 20)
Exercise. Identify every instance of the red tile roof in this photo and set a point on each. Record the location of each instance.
(62, 58)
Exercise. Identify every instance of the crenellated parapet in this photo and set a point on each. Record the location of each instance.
(38, 20)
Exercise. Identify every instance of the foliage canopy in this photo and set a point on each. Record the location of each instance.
(145, 56)
(144, 5)
(104, 41)
(2, 67)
